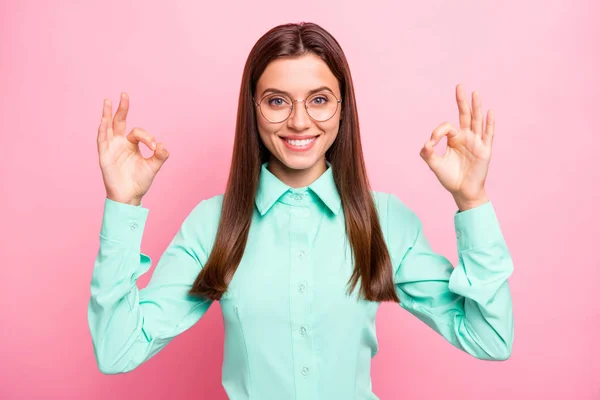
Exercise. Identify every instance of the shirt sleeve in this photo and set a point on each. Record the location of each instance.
(470, 305)
(129, 326)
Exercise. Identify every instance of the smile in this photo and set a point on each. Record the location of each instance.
(300, 145)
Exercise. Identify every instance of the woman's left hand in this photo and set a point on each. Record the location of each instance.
(462, 170)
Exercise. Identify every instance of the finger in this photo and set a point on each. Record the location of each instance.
(102, 135)
(138, 135)
(445, 129)
(488, 136)
(119, 124)
(159, 157)
(477, 119)
(464, 111)
(107, 114)
(428, 154)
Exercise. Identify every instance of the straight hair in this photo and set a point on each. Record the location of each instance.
(372, 265)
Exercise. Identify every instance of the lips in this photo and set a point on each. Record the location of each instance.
(302, 143)
(299, 137)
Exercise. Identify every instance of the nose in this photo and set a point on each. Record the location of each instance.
(299, 119)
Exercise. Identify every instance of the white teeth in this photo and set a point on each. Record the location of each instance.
(300, 143)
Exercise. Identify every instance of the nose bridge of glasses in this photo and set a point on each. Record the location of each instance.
(295, 109)
(298, 101)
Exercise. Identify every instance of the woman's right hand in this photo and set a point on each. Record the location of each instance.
(126, 173)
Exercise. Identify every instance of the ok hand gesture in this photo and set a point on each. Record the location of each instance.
(462, 170)
(126, 173)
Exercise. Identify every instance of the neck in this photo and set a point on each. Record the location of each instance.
(296, 178)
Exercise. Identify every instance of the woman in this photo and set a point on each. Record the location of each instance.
(299, 251)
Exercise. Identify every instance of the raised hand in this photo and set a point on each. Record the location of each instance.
(127, 174)
(462, 170)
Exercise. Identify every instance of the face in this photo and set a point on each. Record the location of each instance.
(297, 162)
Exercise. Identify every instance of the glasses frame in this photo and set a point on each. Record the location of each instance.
(337, 105)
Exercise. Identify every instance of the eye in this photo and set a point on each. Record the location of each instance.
(276, 101)
(320, 100)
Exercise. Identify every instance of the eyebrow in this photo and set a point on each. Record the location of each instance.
(273, 90)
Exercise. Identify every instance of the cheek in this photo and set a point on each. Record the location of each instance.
(331, 130)
(265, 129)
(266, 132)
(264, 137)
(330, 141)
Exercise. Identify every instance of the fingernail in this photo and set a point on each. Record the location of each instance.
(153, 145)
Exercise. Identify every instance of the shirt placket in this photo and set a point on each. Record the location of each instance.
(301, 290)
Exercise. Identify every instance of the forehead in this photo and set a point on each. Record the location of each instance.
(297, 75)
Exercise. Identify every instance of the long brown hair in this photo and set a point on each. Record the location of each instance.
(372, 264)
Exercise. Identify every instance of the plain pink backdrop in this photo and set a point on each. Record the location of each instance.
(535, 63)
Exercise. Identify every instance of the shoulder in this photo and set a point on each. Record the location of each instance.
(399, 223)
(392, 209)
(208, 208)
(203, 220)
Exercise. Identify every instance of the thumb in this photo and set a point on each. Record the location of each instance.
(428, 154)
(159, 157)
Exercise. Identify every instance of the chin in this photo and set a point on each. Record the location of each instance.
(298, 164)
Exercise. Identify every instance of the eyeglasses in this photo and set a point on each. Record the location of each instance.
(277, 107)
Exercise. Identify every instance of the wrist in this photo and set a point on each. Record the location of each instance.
(131, 201)
(467, 204)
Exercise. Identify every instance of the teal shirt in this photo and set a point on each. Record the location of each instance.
(291, 330)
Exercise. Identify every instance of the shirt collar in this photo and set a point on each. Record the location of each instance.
(270, 189)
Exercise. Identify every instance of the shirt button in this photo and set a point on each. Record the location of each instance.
(304, 371)
(303, 331)
(301, 254)
(133, 226)
(298, 197)
(302, 288)
(458, 234)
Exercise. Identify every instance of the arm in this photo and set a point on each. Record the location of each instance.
(470, 305)
(128, 325)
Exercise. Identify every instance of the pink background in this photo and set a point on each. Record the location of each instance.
(535, 63)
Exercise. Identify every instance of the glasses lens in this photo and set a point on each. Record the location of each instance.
(276, 107)
(322, 106)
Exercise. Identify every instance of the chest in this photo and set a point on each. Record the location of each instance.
(296, 265)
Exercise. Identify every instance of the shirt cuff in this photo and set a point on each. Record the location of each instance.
(123, 223)
(477, 227)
